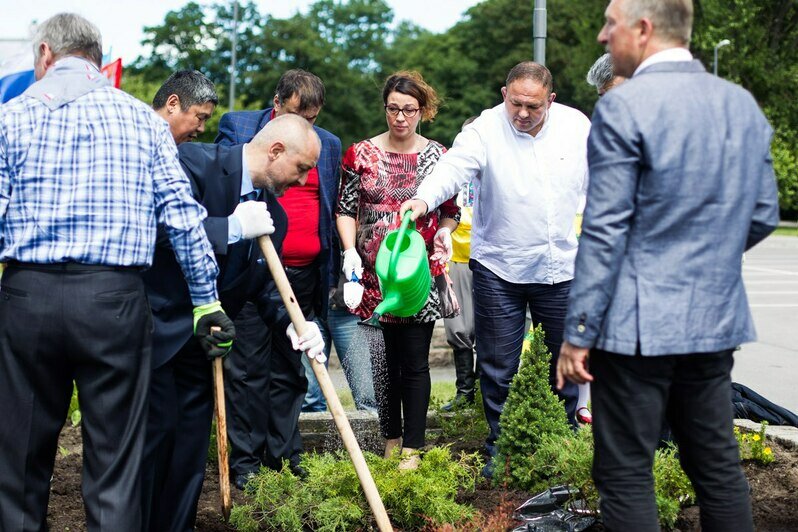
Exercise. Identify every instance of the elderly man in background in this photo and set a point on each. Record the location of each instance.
(527, 159)
(186, 100)
(602, 76)
(86, 172)
(681, 184)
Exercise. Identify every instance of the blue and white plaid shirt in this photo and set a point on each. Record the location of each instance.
(87, 182)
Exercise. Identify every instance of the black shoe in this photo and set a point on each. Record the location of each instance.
(487, 470)
(459, 401)
(298, 471)
(240, 481)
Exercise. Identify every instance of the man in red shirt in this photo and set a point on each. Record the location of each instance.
(266, 381)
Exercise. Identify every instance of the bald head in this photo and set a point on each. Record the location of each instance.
(282, 153)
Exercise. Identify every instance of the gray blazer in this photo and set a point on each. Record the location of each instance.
(681, 183)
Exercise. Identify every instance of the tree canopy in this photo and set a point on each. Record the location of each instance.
(353, 45)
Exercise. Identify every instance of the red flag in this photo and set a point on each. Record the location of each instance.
(113, 71)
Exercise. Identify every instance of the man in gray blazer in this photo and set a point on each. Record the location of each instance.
(681, 184)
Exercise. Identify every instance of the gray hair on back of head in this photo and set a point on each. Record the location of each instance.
(672, 19)
(70, 34)
(292, 130)
(601, 74)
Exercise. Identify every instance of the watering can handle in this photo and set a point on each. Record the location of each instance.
(397, 245)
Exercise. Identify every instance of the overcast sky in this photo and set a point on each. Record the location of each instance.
(121, 22)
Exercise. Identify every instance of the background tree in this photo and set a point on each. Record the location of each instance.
(354, 44)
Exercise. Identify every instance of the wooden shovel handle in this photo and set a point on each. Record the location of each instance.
(327, 388)
(221, 436)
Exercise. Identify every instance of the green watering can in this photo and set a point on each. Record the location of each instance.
(403, 270)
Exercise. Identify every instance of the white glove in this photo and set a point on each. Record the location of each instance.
(442, 245)
(254, 218)
(352, 263)
(312, 342)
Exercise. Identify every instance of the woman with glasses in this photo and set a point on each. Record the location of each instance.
(378, 174)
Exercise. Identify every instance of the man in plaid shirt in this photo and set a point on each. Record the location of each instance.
(86, 172)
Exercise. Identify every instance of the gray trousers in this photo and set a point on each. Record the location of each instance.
(460, 329)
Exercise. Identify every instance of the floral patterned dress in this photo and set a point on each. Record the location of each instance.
(374, 184)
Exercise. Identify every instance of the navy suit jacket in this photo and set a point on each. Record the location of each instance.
(215, 175)
(681, 184)
(240, 126)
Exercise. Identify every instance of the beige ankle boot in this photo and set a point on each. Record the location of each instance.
(410, 459)
(390, 445)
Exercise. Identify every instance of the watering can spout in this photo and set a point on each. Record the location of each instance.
(373, 321)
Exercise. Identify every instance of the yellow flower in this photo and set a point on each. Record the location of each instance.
(756, 437)
(768, 450)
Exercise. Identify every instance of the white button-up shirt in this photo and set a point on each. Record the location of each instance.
(528, 191)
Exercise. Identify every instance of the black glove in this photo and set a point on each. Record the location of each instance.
(216, 343)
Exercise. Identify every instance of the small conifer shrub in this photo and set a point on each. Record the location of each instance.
(531, 413)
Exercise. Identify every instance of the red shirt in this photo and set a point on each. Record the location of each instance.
(301, 203)
(301, 245)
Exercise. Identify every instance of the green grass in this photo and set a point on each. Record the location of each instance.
(442, 391)
(786, 231)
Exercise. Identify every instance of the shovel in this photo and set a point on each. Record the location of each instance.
(341, 422)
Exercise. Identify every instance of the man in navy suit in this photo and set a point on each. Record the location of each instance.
(267, 381)
(227, 182)
(681, 184)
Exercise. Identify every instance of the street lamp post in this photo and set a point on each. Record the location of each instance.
(233, 69)
(539, 31)
(721, 44)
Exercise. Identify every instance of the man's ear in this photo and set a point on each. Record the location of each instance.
(46, 59)
(276, 103)
(504, 93)
(172, 103)
(646, 31)
(276, 149)
(552, 96)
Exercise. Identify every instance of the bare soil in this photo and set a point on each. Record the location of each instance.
(774, 490)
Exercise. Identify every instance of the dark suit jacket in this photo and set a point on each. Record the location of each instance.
(215, 175)
(239, 127)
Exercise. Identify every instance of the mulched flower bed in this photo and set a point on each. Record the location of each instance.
(774, 490)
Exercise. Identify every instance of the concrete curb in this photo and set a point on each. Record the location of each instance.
(319, 432)
(786, 436)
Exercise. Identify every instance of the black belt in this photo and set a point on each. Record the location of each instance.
(71, 267)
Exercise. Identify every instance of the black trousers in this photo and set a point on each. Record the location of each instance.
(266, 383)
(631, 397)
(178, 436)
(402, 382)
(93, 326)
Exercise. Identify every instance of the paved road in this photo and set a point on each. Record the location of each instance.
(770, 366)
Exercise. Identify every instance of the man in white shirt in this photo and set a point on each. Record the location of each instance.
(527, 158)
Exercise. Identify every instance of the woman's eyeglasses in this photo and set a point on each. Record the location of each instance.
(409, 112)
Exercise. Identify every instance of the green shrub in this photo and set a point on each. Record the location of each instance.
(73, 414)
(466, 422)
(565, 460)
(330, 498)
(671, 486)
(531, 413)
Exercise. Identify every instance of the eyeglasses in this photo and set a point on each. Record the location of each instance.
(409, 112)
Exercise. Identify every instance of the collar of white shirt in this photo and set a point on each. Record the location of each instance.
(669, 55)
(246, 180)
